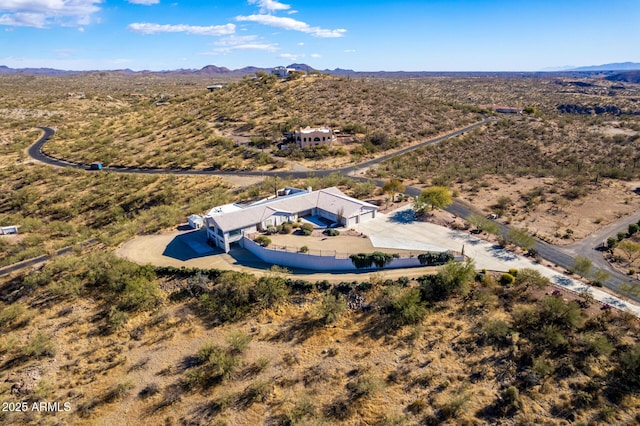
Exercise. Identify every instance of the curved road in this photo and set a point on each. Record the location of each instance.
(35, 151)
(556, 255)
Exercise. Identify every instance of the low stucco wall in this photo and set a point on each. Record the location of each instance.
(315, 262)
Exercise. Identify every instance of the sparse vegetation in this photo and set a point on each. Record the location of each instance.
(205, 346)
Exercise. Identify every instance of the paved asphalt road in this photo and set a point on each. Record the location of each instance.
(553, 254)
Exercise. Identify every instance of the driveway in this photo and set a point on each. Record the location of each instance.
(399, 229)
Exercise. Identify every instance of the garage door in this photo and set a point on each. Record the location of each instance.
(366, 216)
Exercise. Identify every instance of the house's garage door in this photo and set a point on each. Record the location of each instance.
(366, 216)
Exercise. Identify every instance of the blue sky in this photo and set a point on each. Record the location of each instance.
(372, 35)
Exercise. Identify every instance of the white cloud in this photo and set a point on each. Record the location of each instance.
(42, 13)
(270, 5)
(301, 44)
(265, 47)
(37, 20)
(291, 24)
(246, 42)
(234, 40)
(213, 30)
(144, 2)
(316, 55)
(350, 51)
(290, 56)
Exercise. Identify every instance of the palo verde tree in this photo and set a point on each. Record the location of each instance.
(482, 224)
(582, 266)
(453, 278)
(630, 249)
(436, 197)
(521, 238)
(392, 187)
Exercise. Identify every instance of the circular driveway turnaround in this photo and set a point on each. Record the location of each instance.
(397, 229)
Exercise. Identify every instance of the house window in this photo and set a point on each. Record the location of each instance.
(235, 232)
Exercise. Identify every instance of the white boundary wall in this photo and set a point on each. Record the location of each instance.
(315, 262)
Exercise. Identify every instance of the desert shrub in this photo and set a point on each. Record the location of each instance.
(139, 294)
(633, 228)
(257, 391)
(496, 331)
(118, 392)
(403, 281)
(506, 279)
(528, 277)
(231, 296)
(302, 409)
(271, 291)
(525, 317)
(511, 398)
(116, 319)
(216, 365)
(417, 406)
(300, 286)
(405, 306)
(453, 278)
(364, 386)
(331, 232)
(238, 341)
(332, 307)
(554, 310)
(306, 228)
(454, 406)
(14, 315)
(263, 240)
(149, 390)
(286, 228)
(40, 345)
(435, 258)
(366, 260)
(551, 336)
(271, 230)
(629, 366)
(542, 367)
(304, 249)
(597, 344)
(361, 260)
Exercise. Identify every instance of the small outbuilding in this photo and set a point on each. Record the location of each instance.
(195, 221)
(8, 230)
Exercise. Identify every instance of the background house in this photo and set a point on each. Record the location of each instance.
(229, 223)
(282, 72)
(313, 136)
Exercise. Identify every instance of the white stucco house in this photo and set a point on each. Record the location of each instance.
(282, 72)
(313, 136)
(229, 223)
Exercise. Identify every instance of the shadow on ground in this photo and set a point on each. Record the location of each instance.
(403, 216)
(189, 245)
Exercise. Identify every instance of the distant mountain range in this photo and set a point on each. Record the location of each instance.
(617, 66)
(606, 70)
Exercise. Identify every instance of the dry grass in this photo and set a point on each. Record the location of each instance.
(290, 367)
